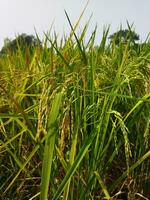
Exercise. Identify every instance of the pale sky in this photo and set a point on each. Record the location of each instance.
(22, 16)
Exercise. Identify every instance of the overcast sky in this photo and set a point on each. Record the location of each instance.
(22, 16)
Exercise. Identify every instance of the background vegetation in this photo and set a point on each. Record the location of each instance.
(74, 117)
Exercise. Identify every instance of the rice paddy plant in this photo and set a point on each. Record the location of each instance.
(74, 120)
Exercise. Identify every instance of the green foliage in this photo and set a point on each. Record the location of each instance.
(124, 36)
(21, 42)
(74, 120)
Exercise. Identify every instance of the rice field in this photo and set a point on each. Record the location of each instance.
(75, 119)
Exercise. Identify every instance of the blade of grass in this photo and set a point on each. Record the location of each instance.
(71, 171)
(135, 165)
(74, 139)
(23, 167)
(78, 42)
(103, 186)
(49, 147)
(58, 52)
(77, 23)
(12, 139)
